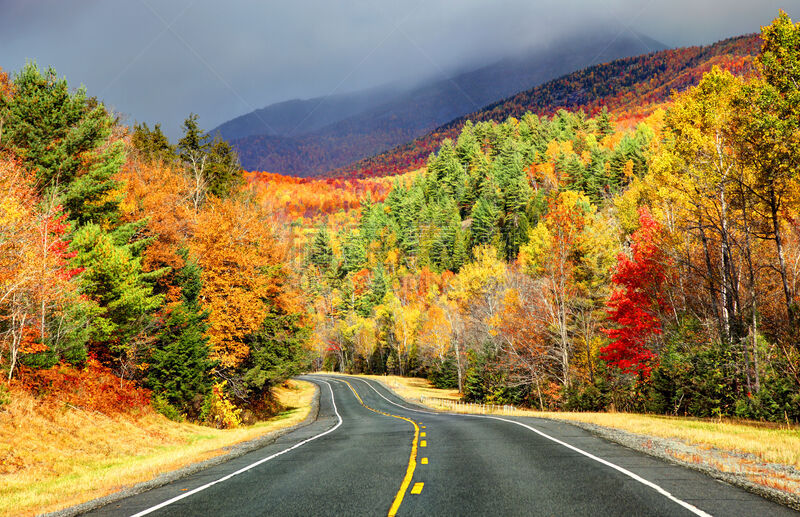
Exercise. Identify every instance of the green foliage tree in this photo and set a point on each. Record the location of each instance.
(65, 138)
(179, 371)
(114, 280)
(153, 144)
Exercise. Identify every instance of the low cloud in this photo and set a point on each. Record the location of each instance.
(158, 60)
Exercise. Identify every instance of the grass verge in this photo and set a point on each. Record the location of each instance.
(54, 456)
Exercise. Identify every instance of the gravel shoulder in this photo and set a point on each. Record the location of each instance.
(779, 483)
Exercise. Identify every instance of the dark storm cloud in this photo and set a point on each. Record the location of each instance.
(158, 60)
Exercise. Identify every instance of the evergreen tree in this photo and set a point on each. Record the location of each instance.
(354, 254)
(277, 353)
(467, 148)
(485, 216)
(180, 369)
(114, 280)
(152, 144)
(514, 194)
(223, 169)
(64, 138)
(604, 125)
(321, 254)
(514, 221)
(475, 183)
(194, 144)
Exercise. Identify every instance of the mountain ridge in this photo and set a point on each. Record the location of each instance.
(382, 126)
(636, 82)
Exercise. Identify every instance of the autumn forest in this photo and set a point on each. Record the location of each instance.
(636, 250)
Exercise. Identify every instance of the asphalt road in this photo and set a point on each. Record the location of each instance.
(366, 454)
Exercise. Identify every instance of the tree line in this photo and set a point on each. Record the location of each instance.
(561, 262)
(150, 260)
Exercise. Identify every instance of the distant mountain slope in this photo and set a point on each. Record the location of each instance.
(298, 117)
(308, 140)
(624, 86)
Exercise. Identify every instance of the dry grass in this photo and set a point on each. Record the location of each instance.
(53, 457)
(769, 443)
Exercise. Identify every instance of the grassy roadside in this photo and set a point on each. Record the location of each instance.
(53, 457)
(771, 443)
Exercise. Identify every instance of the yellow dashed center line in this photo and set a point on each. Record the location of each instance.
(423, 443)
(417, 488)
(422, 435)
(412, 460)
(424, 461)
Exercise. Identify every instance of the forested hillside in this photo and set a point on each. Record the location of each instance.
(124, 257)
(562, 262)
(629, 88)
(641, 257)
(294, 138)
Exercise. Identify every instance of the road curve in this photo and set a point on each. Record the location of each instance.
(371, 453)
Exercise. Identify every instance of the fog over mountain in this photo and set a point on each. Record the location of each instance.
(310, 137)
(157, 61)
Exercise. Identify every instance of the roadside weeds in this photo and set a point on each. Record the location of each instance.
(68, 494)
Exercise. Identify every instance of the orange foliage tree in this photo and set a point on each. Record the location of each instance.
(35, 276)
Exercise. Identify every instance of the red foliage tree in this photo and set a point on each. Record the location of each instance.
(636, 305)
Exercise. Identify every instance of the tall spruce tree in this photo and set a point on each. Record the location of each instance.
(223, 169)
(321, 254)
(65, 138)
(180, 369)
(152, 144)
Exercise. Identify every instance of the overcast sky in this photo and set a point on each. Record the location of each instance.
(158, 60)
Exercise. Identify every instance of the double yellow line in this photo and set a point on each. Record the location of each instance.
(412, 460)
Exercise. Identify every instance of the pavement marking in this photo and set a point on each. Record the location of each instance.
(423, 443)
(693, 509)
(424, 461)
(412, 460)
(248, 467)
(422, 434)
(417, 488)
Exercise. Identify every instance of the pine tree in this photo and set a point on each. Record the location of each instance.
(604, 125)
(321, 254)
(194, 144)
(485, 216)
(193, 150)
(152, 144)
(467, 148)
(354, 254)
(114, 280)
(514, 194)
(223, 169)
(180, 369)
(277, 353)
(514, 221)
(65, 138)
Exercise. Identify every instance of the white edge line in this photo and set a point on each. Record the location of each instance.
(650, 484)
(248, 467)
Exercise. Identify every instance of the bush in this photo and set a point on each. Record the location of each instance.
(219, 411)
(444, 375)
(585, 397)
(168, 410)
